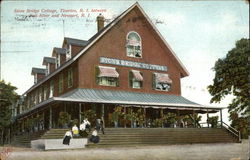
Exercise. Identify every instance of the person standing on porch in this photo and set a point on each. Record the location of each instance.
(99, 125)
(87, 124)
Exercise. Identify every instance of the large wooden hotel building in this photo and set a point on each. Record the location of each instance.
(126, 64)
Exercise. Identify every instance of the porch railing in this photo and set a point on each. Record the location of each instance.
(232, 130)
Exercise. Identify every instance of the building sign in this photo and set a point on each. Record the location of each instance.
(125, 63)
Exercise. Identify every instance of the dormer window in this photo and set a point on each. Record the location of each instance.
(133, 45)
(162, 82)
(47, 69)
(35, 78)
(58, 60)
(68, 52)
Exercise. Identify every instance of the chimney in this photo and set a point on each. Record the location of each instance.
(100, 22)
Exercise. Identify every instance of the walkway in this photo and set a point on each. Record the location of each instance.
(218, 151)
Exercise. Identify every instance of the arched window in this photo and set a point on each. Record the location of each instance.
(133, 45)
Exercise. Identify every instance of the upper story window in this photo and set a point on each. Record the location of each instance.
(36, 97)
(162, 82)
(40, 94)
(58, 57)
(60, 87)
(51, 89)
(135, 79)
(70, 78)
(35, 78)
(45, 92)
(107, 76)
(68, 52)
(47, 69)
(133, 45)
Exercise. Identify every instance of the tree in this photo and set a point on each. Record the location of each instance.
(232, 77)
(8, 96)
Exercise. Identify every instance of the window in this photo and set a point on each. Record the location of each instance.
(45, 93)
(35, 98)
(51, 89)
(47, 69)
(107, 81)
(32, 100)
(162, 82)
(107, 76)
(35, 78)
(58, 60)
(133, 45)
(135, 79)
(70, 78)
(40, 95)
(68, 52)
(60, 87)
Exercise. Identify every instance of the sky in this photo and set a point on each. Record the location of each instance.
(199, 32)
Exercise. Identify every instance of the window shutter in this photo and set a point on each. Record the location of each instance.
(153, 81)
(97, 72)
(130, 76)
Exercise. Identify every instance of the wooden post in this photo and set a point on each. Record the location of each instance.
(103, 115)
(50, 117)
(80, 115)
(221, 122)
(162, 117)
(195, 125)
(145, 113)
(207, 119)
(65, 107)
(125, 121)
(131, 122)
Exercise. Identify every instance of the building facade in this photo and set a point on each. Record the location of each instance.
(127, 63)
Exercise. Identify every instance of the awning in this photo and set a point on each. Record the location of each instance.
(162, 78)
(137, 75)
(108, 72)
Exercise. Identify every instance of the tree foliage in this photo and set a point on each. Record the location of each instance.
(232, 77)
(8, 96)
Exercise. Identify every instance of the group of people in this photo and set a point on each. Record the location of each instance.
(83, 131)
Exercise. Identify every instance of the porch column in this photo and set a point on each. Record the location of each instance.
(162, 117)
(43, 120)
(125, 119)
(145, 113)
(103, 115)
(221, 118)
(195, 125)
(50, 117)
(80, 115)
(207, 119)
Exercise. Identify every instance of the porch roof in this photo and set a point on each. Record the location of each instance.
(127, 99)
(130, 98)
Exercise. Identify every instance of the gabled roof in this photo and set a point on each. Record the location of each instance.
(38, 71)
(49, 60)
(59, 50)
(75, 42)
(104, 30)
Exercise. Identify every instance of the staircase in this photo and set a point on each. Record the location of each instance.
(160, 136)
(25, 139)
(54, 134)
(141, 136)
